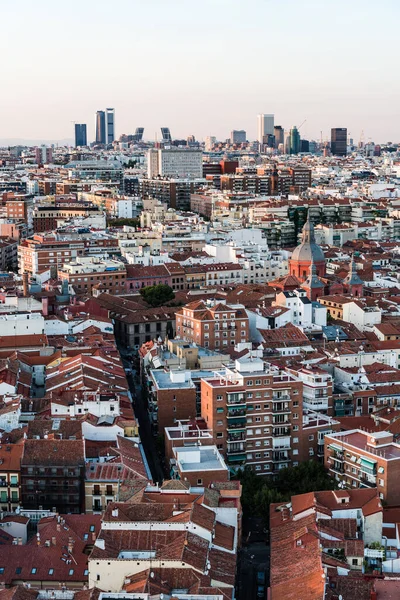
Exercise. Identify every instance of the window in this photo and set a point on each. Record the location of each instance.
(219, 397)
(381, 483)
(295, 440)
(249, 395)
(266, 406)
(295, 416)
(51, 571)
(1, 570)
(33, 570)
(258, 406)
(220, 434)
(310, 438)
(258, 381)
(86, 572)
(220, 422)
(295, 451)
(199, 482)
(258, 467)
(295, 427)
(311, 451)
(250, 382)
(258, 455)
(220, 410)
(71, 572)
(354, 561)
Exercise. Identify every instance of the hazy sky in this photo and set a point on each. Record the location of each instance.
(200, 67)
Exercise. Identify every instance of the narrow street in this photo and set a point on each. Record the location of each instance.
(142, 416)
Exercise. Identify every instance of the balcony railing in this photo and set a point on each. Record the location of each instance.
(238, 412)
(236, 424)
(235, 398)
(236, 437)
(281, 431)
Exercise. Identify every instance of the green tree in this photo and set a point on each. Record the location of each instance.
(157, 295)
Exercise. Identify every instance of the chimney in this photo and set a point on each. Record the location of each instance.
(70, 545)
(93, 536)
(20, 541)
(58, 527)
(54, 541)
(25, 284)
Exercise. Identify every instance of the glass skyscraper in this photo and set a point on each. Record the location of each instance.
(110, 125)
(100, 127)
(80, 134)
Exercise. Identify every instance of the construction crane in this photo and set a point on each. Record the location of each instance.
(301, 124)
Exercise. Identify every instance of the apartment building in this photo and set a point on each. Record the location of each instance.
(86, 272)
(169, 530)
(172, 397)
(10, 476)
(317, 388)
(42, 252)
(359, 459)
(254, 411)
(218, 327)
(47, 217)
(52, 475)
(174, 162)
(174, 192)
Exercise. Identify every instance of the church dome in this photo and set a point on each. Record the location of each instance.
(308, 250)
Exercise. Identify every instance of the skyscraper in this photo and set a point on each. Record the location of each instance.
(100, 127)
(138, 136)
(166, 134)
(339, 141)
(110, 125)
(265, 128)
(80, 134)
(294, 141)
(279, 135)
(238, 136)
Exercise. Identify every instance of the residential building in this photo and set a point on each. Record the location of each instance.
(172, 397)
(198, 465)
(52, 475)
(215, 326)
(43, 155)
(10, 476)
(255, 413)
(170, 529)
(359, 459)
(175, 162)
(85, 272)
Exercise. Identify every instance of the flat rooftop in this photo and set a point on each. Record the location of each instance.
(359, 439)
(165, 380)
(199, 458)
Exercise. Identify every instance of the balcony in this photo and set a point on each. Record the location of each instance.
(236, 437)
(235, 398)
(236, 458)
(236, 423)
(337, 468)
(367, 479)
(280, 397)
(236, 449)
(281, 457)
(236, 412)
(280, 431)
(281, 407)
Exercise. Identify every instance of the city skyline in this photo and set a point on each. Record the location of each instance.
(186, 56)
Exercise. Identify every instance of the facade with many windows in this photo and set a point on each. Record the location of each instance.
(254, 411)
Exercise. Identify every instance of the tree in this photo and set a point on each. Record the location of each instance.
(157, 295)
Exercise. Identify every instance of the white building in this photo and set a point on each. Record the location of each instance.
(363, 317)
(175, 162)
(304, 313)
(21, 324)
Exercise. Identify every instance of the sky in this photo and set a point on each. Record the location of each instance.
(199, 67)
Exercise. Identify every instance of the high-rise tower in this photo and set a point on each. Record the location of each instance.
(110, 125)
(100, 127)
(339, 141)
(265, 128)
(80, 134)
